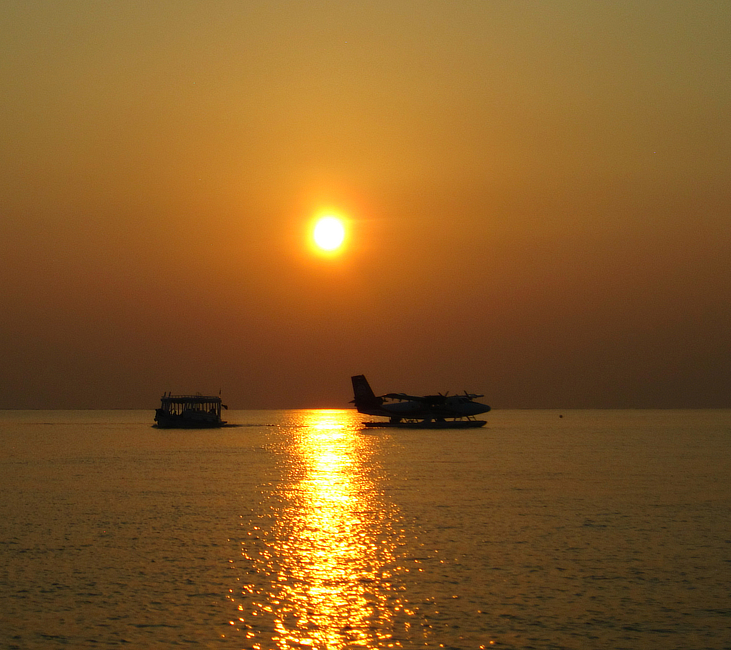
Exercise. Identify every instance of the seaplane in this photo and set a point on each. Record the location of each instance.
(418, 412)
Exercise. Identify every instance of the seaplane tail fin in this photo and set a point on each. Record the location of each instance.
(363, 393)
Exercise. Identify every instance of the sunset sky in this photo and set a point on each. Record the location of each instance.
(537, 199)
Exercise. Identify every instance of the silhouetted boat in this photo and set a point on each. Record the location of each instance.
(189, 412)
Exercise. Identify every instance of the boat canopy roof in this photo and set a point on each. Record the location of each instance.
(191, 399)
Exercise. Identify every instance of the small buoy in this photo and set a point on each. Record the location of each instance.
(560, 416)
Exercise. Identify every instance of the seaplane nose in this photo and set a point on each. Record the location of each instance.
(480, 408)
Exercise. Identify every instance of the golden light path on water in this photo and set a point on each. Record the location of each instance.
(327, 548)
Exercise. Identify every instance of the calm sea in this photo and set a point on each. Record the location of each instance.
(598, 529)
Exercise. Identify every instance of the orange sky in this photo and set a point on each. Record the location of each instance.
(538, 196)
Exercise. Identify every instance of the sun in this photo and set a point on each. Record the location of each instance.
(329, 233)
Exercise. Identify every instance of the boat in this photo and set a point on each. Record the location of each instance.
(189, 412)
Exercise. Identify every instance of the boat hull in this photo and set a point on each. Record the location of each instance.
(165, 420)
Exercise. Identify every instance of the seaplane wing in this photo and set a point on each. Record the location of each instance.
(404, 396)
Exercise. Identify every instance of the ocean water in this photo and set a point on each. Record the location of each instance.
(298, 529)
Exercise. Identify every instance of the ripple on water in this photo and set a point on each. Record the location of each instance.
(599, 530)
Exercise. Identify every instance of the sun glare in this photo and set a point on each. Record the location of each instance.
(329, 233)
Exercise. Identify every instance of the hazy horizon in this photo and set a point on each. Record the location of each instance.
(537, 200)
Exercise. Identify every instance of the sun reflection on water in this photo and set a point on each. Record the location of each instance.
(327, 550)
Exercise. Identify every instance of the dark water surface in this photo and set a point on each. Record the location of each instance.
(599, 529)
